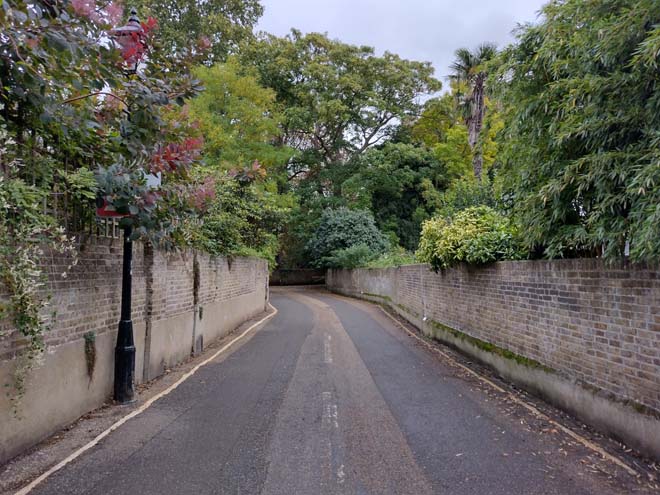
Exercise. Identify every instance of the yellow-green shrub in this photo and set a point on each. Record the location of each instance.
(475, 235)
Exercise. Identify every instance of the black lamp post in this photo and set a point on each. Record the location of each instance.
(125, 347)
(131, 40)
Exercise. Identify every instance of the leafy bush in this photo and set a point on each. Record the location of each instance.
(361, 256)
(462, 194)
(242, 220)
(343, 228)
(351, 257)
(476, 235)
(395, 257)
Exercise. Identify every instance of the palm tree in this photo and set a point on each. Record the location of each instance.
(468, 68)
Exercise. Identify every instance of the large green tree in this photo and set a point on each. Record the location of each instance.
(341, 229)
(581, 93)
(339, 100)
(239, 119)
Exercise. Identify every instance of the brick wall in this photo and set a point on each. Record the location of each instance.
(88, 299)
(593, 324)
(169, 291)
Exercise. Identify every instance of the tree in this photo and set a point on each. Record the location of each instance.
(339, 100)
(239, 118)
(581, 159)
(244, 218)
(389, 181)
(469, 69)
(343, 228)
(191, 25)
(73, 126)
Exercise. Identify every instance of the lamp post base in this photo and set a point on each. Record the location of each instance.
(124, 363)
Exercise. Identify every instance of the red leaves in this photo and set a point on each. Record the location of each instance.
(176, 156)
(133, 45)
(204, 194)
(148, 26)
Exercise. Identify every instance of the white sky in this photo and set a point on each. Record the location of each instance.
(425, 30)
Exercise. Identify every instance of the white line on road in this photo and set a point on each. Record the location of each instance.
(327, 350)
(587, 443)
(28, 488)
(341, 475)
(330, 412)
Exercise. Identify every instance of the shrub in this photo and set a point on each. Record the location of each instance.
(343, 228)
(476, 235)
(394, 257)
(350, 257)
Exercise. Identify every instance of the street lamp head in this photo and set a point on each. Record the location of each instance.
(131, 39)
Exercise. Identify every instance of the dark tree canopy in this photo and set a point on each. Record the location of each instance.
(343, 228)
(391, 181)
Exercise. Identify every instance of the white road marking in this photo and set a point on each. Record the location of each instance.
(327, 350)
(587, 443)
(28, 488)
(330, 411)
(341, 475)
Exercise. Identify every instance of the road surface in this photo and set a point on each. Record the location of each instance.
(332, 397)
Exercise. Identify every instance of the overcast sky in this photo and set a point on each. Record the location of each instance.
(426, 30)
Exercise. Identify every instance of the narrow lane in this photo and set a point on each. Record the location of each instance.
(330, 397)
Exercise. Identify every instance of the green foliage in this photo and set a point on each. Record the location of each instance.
(581, 157)
(393, 258)
(389, 180)
(188, 25)
(362, 256)
(454, 151)
(243, 220)
(74, 126)
(338, 99)
(476, 235)
(343, 228)
(81, 183)
(351, 257)
(442, 128)
(461, 195)
(26, 232)
(469, 74)
(239, 119)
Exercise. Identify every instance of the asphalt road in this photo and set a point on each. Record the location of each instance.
(331, 397)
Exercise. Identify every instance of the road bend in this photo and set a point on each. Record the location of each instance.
(332, 397)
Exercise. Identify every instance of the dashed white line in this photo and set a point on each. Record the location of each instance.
(327, 350)
(341, 475)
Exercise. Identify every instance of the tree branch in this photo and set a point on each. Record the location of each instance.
(76, 98)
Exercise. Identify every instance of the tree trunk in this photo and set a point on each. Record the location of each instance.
(475, 124)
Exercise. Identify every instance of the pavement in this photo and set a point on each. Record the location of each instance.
(331, 396)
